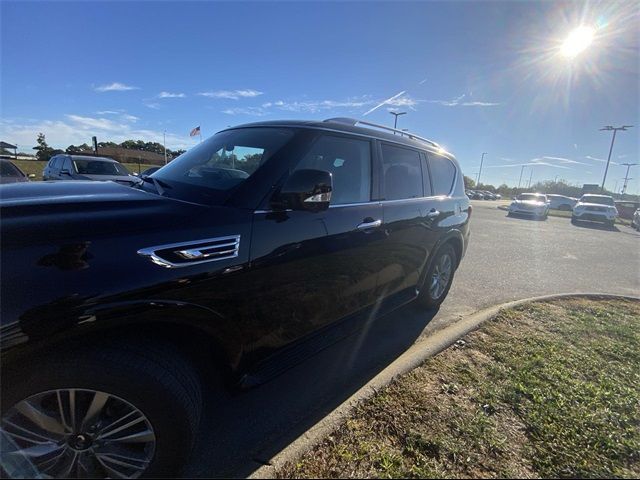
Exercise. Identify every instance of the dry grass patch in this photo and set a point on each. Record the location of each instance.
(545, 390)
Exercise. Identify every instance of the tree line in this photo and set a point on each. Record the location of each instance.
(44, 152)
(560, 187)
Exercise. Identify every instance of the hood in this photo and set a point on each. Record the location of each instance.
(43, 211)
(123, 179)
(50, 194)
(589, 205)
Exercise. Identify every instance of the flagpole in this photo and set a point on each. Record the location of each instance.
(164, 143)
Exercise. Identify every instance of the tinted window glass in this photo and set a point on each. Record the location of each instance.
(349, 161)
(67, 165)
(225, 160)
(443, 174)
(402, 172)
(55, 162)
(426, 182)
(97, 167)
(8, 170)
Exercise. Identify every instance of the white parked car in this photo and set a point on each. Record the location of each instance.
(595, 208)
(635, 223)
(531, 204)
(561, 202)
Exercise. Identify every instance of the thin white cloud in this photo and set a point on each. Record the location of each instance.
(78, 129)
(251, 111)
(115, 87)
(457, 102)
(314, 106)
(384, 102)
(563, 160)
(232, 94)
(171, 95)
(109, 112)
(422, 81)
(601, 160)
(130, 118)
(152, 105)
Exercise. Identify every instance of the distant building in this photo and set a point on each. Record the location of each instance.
(4, 150)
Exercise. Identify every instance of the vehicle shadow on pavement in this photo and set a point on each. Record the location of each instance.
(596, 226)
(240, 432)
(525, 217)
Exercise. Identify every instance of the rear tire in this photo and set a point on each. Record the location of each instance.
(153, 378)
(430, 295)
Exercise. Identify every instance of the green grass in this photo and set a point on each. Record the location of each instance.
(36, 167)
(545, 390)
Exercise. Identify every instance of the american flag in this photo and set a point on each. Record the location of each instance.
(195, 131)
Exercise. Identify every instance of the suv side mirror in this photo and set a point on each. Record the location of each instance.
(305, 190)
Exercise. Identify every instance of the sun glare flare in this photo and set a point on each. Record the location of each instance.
(577, 41)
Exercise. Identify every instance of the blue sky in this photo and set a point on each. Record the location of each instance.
(476, 76)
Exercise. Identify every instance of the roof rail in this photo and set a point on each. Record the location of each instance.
(353, 122)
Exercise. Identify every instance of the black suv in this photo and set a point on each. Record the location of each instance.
(248, 253)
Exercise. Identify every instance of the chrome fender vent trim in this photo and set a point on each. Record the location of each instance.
(195, 252)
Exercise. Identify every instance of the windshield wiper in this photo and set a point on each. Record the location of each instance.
(159, 184)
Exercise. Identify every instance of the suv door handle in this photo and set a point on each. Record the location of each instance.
(433, 213)
(369, 223)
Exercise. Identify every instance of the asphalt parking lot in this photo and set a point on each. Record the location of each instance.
(507, 259)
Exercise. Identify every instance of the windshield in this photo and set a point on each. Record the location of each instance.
(99, 167)
(224, 161)
(531, 197)
(597, 199)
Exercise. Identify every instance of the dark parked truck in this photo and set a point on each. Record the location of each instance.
(244, 256)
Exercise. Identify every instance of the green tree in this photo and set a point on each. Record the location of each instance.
(469, 182)
(43, 151)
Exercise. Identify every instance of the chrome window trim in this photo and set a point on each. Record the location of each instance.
(150, 252)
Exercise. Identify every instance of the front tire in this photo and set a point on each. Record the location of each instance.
(80, 400)
(439, 277)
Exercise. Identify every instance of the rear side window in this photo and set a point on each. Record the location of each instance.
(67, 165)
(55, 162)
(443, 173)
(402, 173)
(349, 161)
(8, 170)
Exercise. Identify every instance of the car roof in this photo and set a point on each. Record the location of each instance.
(338, 126)
(596, 195)
(89, 157)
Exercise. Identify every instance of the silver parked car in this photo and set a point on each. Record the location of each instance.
(561, 202)
(635, 223)
(595, 208)
(79, 167)
(531, 204)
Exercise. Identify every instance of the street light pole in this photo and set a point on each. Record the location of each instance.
(521, 171)
(626, 177)
(613, 139)
(480, 172)
(530, 177)
(395, 120)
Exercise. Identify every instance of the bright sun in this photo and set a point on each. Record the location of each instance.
(577, 41)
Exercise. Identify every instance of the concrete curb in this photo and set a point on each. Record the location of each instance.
(409, 360)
